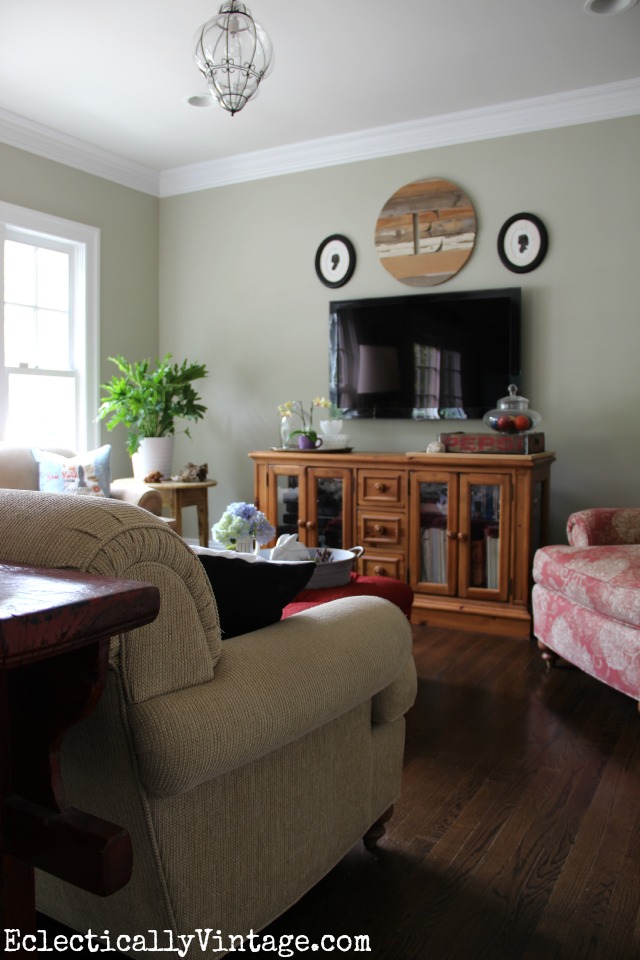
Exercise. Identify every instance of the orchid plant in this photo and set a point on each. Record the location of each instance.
(294, 408)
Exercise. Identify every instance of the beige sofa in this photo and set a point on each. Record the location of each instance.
(19, 471)
(243, 770)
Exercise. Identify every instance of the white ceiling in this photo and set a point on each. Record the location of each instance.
(115, 75)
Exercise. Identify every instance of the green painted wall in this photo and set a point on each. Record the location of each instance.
(238, 290)
(226, 276)
(128, 222)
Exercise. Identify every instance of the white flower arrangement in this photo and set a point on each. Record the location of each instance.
(240, 521)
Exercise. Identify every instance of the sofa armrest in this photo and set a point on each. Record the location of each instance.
(604, 526)
(138, 494)
(272, 687)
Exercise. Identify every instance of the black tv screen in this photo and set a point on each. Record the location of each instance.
(433, 356)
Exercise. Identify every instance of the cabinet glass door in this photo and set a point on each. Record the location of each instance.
(433, 550)
(287, 500)
(484, 507)
(329, 520)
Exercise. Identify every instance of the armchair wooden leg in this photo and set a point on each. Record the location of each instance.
(547, 655)
(377, 830)
(552, 659)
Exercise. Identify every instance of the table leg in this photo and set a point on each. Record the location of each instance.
(203, 520)
(175, 509)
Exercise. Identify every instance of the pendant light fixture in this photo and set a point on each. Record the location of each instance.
(234, 53)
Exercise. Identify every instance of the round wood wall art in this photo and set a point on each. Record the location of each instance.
(426, 232)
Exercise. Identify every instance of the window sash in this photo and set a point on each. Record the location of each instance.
(83, 244)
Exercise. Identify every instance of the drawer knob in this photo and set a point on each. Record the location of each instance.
(380, 571)
(379, 529)
(380, 486)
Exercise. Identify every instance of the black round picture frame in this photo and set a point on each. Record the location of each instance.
(335, 260)
(523, 242)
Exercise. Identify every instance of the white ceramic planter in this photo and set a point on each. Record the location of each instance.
(155, 455)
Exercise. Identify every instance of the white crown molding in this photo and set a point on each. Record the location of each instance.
(522, 116)
(16, 131)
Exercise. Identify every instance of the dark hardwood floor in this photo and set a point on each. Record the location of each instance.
(517, 835)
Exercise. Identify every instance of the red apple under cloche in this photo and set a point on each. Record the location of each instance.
(506, 424)
(522, 422)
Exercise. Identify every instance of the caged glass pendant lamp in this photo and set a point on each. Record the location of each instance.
(235, 54)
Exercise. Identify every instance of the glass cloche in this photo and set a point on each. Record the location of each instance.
(513, 414)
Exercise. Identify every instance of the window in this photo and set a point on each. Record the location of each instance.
(49, 342)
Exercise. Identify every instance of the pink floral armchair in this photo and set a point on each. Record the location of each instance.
(604, 526)
(586, 597)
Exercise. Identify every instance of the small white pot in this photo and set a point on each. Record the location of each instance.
(331, 428)
(155, 455)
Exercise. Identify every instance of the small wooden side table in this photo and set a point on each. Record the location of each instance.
(178, 494)
(55, 627)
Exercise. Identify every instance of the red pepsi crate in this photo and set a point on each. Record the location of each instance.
(461, 442)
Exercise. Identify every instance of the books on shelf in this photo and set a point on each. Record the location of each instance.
(434, 555)
(484, 556)
(492, 550)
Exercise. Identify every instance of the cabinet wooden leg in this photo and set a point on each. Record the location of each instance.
(377, 830)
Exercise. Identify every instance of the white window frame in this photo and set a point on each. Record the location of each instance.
(31, 226)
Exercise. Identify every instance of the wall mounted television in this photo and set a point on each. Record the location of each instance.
(434, 356)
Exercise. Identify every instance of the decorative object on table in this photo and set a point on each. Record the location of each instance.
(288, 548)
(305, 442)
(512, 414)
(504, 443)
(235, 54)
(523, 242)
(148, 402)
(333, 566)
(289, 412)
(307, 436)
(154, 477)
(333, 438)
(335, 260)
(192, 473)
(426, 232)
(243, 528)
(436, 446)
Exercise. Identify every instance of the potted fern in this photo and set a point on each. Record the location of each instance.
(148, 402)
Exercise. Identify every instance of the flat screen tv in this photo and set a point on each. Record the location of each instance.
(433, 356)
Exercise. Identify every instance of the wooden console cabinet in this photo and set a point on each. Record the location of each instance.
(460, 528)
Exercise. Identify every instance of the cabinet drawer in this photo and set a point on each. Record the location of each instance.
(382, 486)
(383, 565)
(380, 531)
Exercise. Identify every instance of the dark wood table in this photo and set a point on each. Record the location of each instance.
(55, 627)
